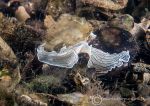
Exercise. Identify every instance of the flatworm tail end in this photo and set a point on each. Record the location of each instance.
(125, 57)
(105, 61)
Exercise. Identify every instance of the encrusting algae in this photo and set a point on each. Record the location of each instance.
(68, 30)
(107, 4)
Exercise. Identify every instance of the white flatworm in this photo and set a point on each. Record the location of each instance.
(68, 57)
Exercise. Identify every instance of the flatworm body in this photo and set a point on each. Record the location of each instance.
(68, 57)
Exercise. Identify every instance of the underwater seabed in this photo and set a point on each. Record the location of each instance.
(74, 53)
